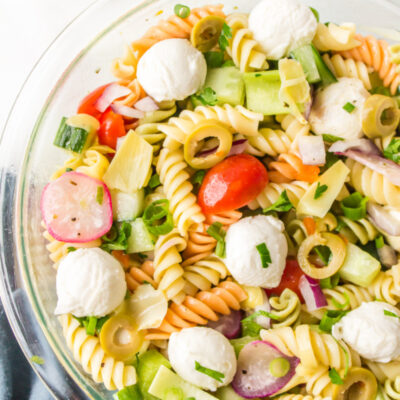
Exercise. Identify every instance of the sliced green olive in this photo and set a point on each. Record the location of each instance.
(206, 32)
(380, 116)
(359, 384)
(120, 338)
(207, 130)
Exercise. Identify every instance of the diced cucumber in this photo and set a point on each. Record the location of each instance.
(165, 380)
(127, 206)
(149, 364)
(71, 138)
(175, 393)
(141, 239)
(324, 72)
(305, 56)
(262, 92)
(227, 393)
(359, 267)
(129, 393)
(330, 184)
(228, 84)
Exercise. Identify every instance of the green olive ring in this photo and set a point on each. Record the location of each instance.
(206, 32)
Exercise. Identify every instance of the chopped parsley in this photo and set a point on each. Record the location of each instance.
(349, 107)
(283, 204)
(226, 34)
(198, 177)
(320, 190)
(207, 97)
(392, 151)
(154, 181)
(335, 377)
(250, 327)
(217, 232)
(214, 59)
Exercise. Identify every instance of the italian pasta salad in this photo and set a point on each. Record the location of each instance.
(227, 224)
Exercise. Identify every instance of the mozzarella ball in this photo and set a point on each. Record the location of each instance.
(371, 333)
(90, 282)
(327, 113)
(208, 348)
(282, 26)
(243, 260)
(172, 70)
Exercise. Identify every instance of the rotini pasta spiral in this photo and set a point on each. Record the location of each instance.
(386, 286)
(375, 53)
(392, 388)
(286, 307)
(319, 383)
(243, 49)
(198, 310)
(348, 68)
(137, 92)
(168, 272)
(313, 348)
(88, 352)
(373, 185)
(332, 37)
(183, 203)
(295, 190)
(384, 371)
(300, 397)
(139, 274)
(361, 230)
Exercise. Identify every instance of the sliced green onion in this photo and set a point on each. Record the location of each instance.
(214, 59)
(198, 177)
(250, 327)
(315, 12)
(320, 190)
(129, 393)
(37, 360)
(330, 318)
(100, 194)
(344, 305)
(91, 326)
(154, 181)
(157, 218)
(331, 138)
(226, 34)
(331, 282)
(324, 253)
(392, 151)
(390, 314)
(181, 11)
(217, 232)
(218, 376)
(279, 367)
(379, 242)
(354, 206)
(117, 237)
(283, 204)
(264, 255)
(349, 107)
(101, 321)
(228, 63)
(335, 377)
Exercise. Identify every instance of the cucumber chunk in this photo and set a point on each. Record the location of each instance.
(228, 84)
(127, 206)
(359, 267)
(141, 239)
(262, 92)
(147, 367)
(227, 393)
(165, 380)
(129, 393)
(305, 56)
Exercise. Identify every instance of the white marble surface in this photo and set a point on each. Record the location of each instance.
(27, 27)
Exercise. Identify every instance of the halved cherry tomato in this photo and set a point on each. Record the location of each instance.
(290, 280)
(87, 104)
(232, 184)
(111, 128)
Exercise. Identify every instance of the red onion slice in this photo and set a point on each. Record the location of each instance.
(312, 150)
(253, 377)
(238, 147)
(387, 219)
(126, 111)
(111, 93)
(147, 104)
(387, 256)
(312, 293)
(365, 146)
(228, 325)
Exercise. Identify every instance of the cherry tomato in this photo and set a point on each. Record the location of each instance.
(111, 128)
(232, 184)
(290, 280)
(87, 105)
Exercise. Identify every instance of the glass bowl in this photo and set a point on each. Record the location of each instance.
(78, 61)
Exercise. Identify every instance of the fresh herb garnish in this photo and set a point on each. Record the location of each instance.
(181, 11)
(68, 169)
(264, 255)
(217, 232)
(331, 138)
(391, 314)
(324, 253)
(198, 177)
(93, 325)
(207, 97)
(354, 206)
(392, 151)
(226, 34)
(117, 237)
(70, 249)
(341, 306)
(129, 393)
(379, 242)
(330, 318)
(228, 63)
(330, 283)
(37, 360)
(250, 326)
(154, 181)
(315, 12)
(320, 190)
(100, 194)
(283, 204)
(157, 218)
(218, 376)
(349, 107)
(214, 59)
(335, 377)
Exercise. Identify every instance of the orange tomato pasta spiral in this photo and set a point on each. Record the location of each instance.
(375, 53)
(200, 245)
(289, 167)
(199, 309)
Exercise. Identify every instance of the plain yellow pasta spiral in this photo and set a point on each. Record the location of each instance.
(314, 349)
(243, 49)
(348, 68)
(373, 184)
(384, 371)
(386, 286)
(286, 307)
(358, 231)
(168, 272)
(182, 202)
(300, 397)
(319, 383)
(392, 388)
(87, 351)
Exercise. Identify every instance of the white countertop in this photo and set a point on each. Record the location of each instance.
(27, 27)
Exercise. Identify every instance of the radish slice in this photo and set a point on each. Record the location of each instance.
(76, 208)
(255, 375)
(228, 325)
(111, 93)
(126, 111)
(312, 293)
(147, 104)
(386, 218)
(312, 150)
